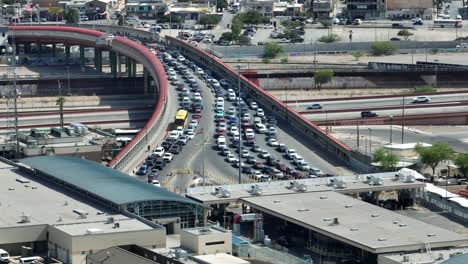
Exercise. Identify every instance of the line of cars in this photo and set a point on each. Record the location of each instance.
(256, 160)
(181, 77)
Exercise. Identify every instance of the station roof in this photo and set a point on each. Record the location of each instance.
(109, 184)
(354, 184)
(389, 231)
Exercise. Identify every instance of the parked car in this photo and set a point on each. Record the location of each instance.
(314, 106)
(143, 170)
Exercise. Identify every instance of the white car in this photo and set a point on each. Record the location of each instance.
(219, 100)
(174, 134)
(207, 40)
(172, 77)
(291, 153)
(268, 26)
(231, 158)
(303, 166)
(257, 174)
(264, 154)
(158, 152)
(190, 135)
(231, 111)
(193, 123)
(167, 156)
(197, 97)
(249, 133)
(253, 105)
(273, 142)
(246, 117)
(193, 42)
(277, 174)
(199, 71)
(231, 96)
(260, 128)
(316, 171)
(260, 112)
(183, 139)
(234, 131)
(156, 183)
(245, 153)
(421, 99)
(272, 131)
(224, 82)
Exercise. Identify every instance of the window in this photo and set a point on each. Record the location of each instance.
(214, 243)
(83, 252)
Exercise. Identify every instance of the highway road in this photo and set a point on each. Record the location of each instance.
(53, 119)
(320, 116)
(381, 102)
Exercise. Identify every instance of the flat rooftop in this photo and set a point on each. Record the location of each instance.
(363, 225)
(354, 184)
(434, 257)
(103, 227)
(219, 258)
(41, 202)
(200, 231)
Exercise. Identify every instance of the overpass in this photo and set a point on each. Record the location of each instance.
(304, 127)
(118, 47)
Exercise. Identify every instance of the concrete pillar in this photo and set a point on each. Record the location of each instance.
(119, 65)
(39, 48)
(27, 48)
(127, 67)
(82, 56)
(112, 62)
(98, 59)
(145, 77)
(67, 54)
(53, 50)
(134, 66)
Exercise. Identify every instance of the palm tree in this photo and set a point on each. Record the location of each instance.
(60, 101)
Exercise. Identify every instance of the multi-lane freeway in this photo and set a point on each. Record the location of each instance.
(351, 108)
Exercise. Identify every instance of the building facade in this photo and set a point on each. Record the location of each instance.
(366, 9)
(410, 9)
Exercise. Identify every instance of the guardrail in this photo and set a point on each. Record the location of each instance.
(127, 47)
(154, 66)
(269, 102)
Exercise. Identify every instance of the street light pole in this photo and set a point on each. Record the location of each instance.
(403, 121)
(436, 61)
(370, 141)
(239, 121)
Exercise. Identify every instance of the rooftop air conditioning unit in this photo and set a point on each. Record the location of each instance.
(410, 179)
(256, 190)
(301, 188)
(225, 194)
(373, 180)
(92, 231)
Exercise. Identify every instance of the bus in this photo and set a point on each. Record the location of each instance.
(448, 23)
(124, 136)
(181, 119)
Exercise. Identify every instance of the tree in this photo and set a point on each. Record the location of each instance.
(461, 160)
(382, 48)
(440, 3)
(271, 50)
(325, 23)
(121, 21)
(210, 19)
(432, 156)
(253, 17)
(72, 16)
(357, 55)
(60, 101)
(322, 77)
(405, 33)
(387, 159)
(329, 38)
(221, 4)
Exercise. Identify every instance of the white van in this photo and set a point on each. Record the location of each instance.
(4, 256)
(221, 142)
(30, 260)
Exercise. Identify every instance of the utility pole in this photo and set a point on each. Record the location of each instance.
(403, 121)
(357, 134)
(370, 142)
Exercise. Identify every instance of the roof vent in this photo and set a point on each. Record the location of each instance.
(354, 229)
(81, 213)
(92, 231)
(374, 215)
(225, 194)
(34, 187)
(348, 206)
(255, 190)
(374, 180)
(25, 219)
(395, 222)
(402, 225)
(303, 210)
(326, 219)
(431, 235)
(22, 180)
(11, 189)
(277, 201)
(337, 183)
(110, 220)
(335, 221)
(381, 239)
(323, 197)
(405, 258)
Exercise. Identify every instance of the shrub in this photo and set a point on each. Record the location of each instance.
(382, 48)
